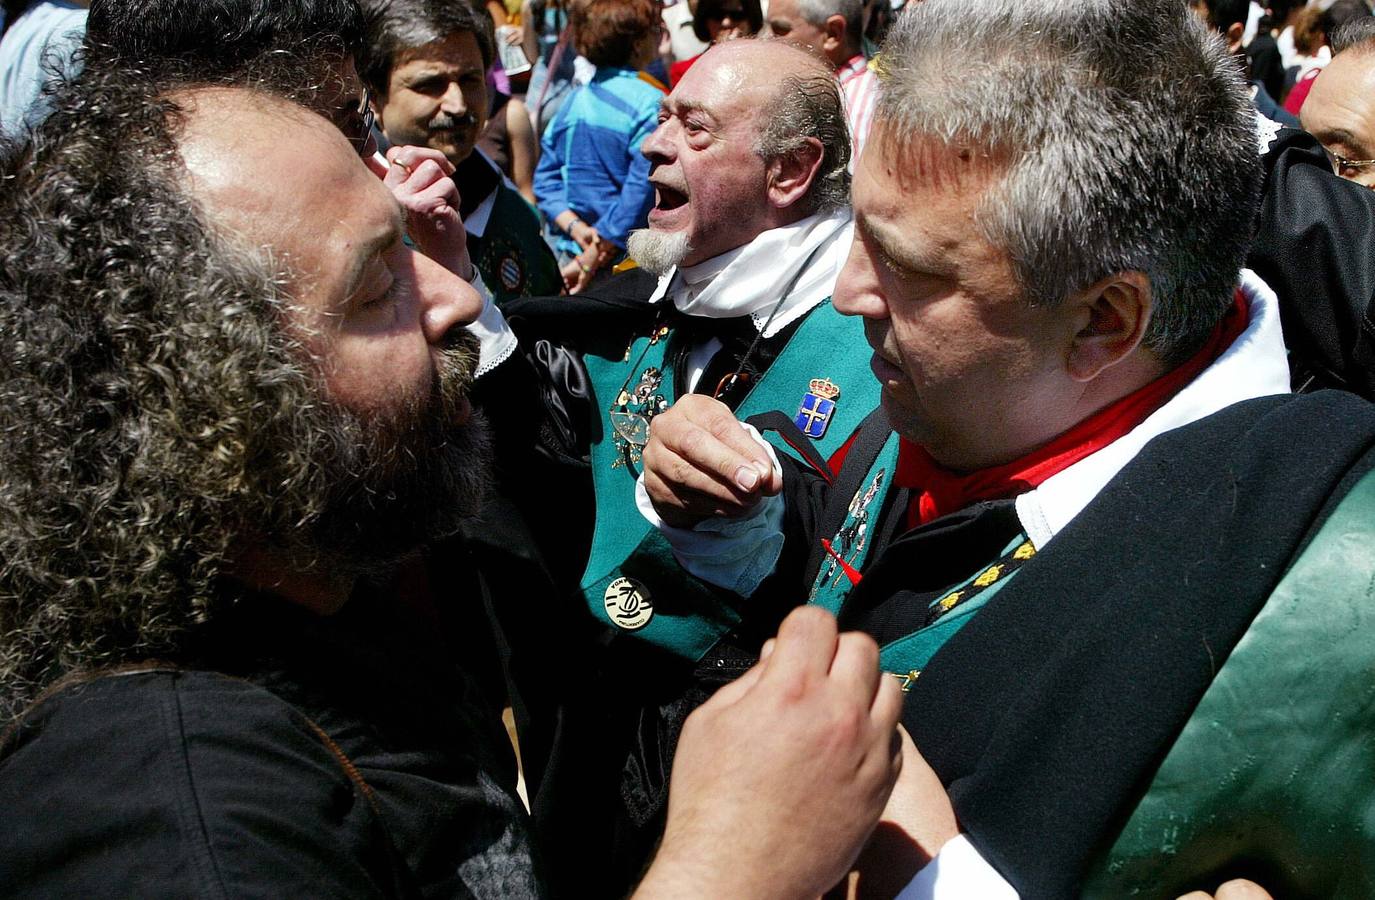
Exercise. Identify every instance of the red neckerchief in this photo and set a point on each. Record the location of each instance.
(940, 491)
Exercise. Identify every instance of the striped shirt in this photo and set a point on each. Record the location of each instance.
(859, 86)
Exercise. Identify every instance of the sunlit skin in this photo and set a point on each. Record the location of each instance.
(1340, 112)
(437, 97)
(370, 309)
(709, 181)
(371, 312)
(969, 369)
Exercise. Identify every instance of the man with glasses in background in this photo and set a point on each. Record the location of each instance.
(1340, 110)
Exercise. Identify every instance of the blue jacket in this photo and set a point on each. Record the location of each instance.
(590, 160)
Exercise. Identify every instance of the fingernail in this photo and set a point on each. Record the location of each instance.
(746, 477)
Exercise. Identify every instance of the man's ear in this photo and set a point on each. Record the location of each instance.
(791, 175)
(1235, 32)
(1113, 315)
(835, 34)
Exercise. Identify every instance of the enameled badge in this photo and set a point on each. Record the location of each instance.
(818, 406)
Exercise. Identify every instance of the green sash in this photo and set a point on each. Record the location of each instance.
(632, 580)
(1275, 767)
(907, 656)
(511, 254)
(853, 540)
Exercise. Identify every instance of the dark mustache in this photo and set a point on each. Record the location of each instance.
(445, 122)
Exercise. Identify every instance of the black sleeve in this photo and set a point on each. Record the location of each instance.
(1314, 247)
(1267, 68)
(182, 785)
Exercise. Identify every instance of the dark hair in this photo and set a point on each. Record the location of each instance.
(1223, 14)
(147, 392)
(609, 32)
(13, 9)
(395, 26)
(1342, 13)
(711, 9)
(1308, 31)
(1280, 9)
(216, 37)
(154, 412)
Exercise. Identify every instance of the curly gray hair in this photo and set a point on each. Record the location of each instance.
(155, 414)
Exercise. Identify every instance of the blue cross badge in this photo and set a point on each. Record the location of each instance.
(814, 415)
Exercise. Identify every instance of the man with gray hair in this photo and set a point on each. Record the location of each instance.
(1094, 538)
(834, 29)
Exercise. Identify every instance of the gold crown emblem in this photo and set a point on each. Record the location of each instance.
(824, 388)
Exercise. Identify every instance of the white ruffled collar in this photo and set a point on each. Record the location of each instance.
(749, 280)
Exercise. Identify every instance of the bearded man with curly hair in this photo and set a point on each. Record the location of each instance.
(234, 397)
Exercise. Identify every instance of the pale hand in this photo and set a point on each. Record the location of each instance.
(700, 463)
(421, 181)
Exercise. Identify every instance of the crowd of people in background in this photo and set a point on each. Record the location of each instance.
(704, 448)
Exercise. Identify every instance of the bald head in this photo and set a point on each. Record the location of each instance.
(752, 138)
(1340, 111)
(758, 66)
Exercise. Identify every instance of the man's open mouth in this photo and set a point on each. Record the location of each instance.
(667, 198)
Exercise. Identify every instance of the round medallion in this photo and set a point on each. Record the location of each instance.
(511, 272)
(628, 604)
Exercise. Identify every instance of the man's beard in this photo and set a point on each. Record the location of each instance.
(407, 477)
(657, 251)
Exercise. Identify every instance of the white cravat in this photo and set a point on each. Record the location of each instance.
(749, 280)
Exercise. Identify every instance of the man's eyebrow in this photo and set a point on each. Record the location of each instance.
(682, 107)
(891, 245)
(1344, 137)
(374, 246)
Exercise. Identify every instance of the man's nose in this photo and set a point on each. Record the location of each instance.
(453, 101)
(446, 301)
(658, 147)
(856, 290)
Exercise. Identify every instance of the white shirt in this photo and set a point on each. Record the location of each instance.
(775, 279)
(49, 30)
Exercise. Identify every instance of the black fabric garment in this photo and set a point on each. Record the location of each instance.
(184, 785)
(209, 780)
(1263, 56)
(476, 179)
(1046, 715)
(1313, 246)
(594, 697)
(733, 370)
(924, 563)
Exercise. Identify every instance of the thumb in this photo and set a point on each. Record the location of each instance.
(377, 165)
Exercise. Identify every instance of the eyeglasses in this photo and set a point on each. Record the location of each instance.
(1348, 168)
(356, 124)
